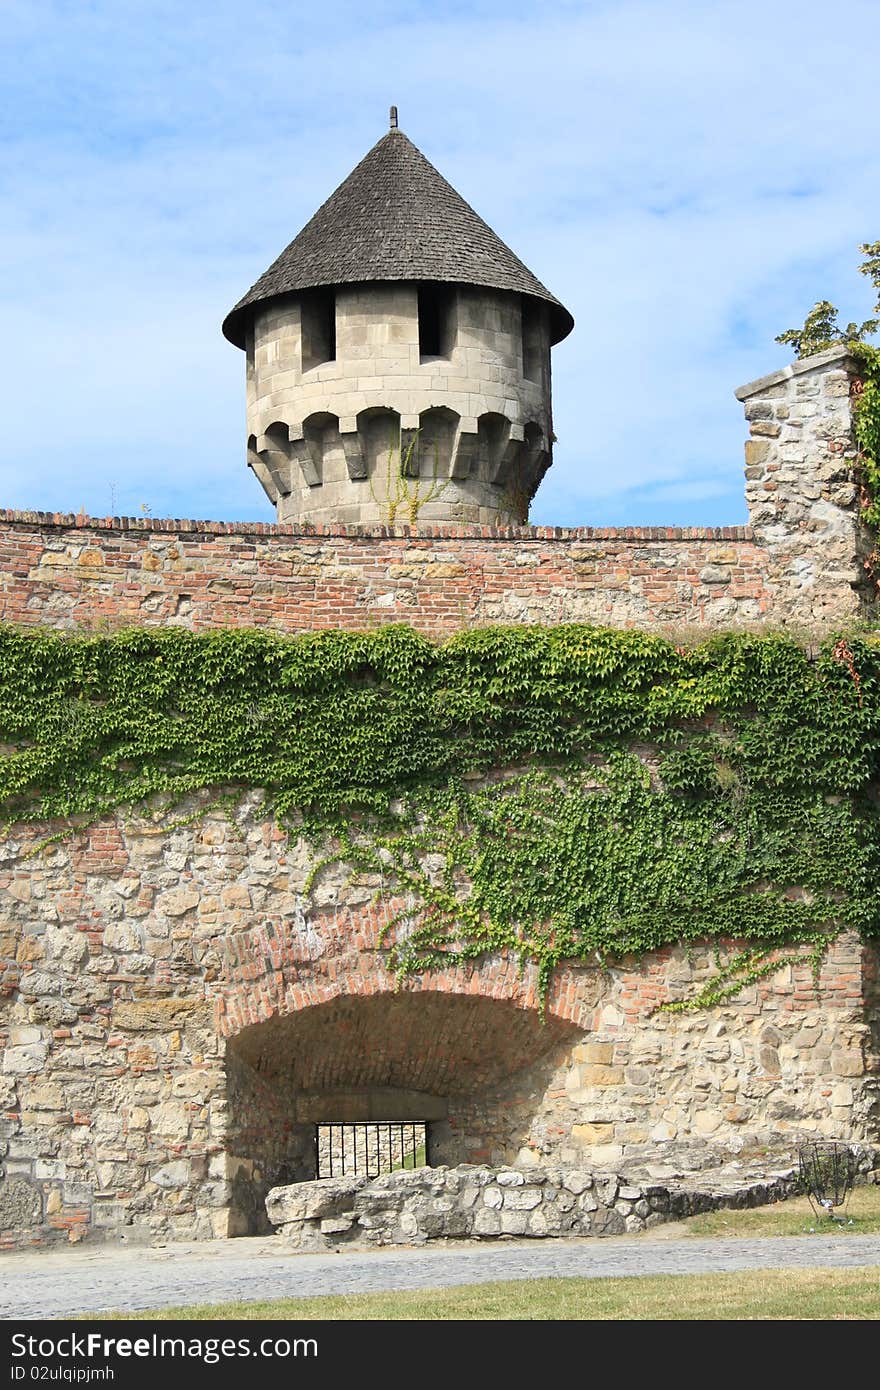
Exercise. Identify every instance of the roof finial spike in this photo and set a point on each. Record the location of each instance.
(392, 118)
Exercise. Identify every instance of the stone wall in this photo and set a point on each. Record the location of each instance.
(68, 572)
(786, 1056)
(176, 1015)
(265, 1143)
(482, 1203)
(801, 487)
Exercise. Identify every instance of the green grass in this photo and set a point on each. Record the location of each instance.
(794, 1217)
(778, 1295)
(417, 1159)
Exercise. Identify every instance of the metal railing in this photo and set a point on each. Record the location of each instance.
(370, 1149)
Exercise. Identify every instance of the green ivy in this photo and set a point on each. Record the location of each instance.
(565, 794)
(867, 429)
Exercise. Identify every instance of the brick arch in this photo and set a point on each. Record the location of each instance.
(313, 1015)
(282, 968)
(418, 1040)
(332, 1040)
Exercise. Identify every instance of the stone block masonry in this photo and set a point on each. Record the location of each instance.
(322, 437)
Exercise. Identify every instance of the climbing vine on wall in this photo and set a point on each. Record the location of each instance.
(406, 492)
(566, 794)
(866, 416)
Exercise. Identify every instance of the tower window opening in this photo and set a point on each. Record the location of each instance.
(370, 1149)
(434, 321)
(533, 346)
(318, 328)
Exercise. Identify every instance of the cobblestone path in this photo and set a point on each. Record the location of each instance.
(57, 1284)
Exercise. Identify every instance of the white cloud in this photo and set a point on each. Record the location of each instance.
(688, 179)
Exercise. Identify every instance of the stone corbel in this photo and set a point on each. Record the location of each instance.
(352, 447)
(264, 475)
(273, 459)
(307, 454)
(537, 461)
(409, 446)
(509, 457)
(465, 449)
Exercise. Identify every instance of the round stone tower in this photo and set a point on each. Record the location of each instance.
(398, 358)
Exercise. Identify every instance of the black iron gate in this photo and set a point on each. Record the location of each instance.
(370, 1149)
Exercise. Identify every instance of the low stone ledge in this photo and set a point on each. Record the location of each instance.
(482, 1203)
(838, 355)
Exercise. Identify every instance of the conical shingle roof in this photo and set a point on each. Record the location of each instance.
(395, 218)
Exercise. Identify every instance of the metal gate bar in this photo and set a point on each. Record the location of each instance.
(369, 1149)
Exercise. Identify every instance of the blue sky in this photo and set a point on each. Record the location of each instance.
(687, 177)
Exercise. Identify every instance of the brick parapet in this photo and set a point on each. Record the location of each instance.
(69, 572)
(800, 562)
(164, 525)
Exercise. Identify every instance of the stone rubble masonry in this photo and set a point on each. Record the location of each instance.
(482, 1203)
(74, 572)
(801, 485)
(176, 1013)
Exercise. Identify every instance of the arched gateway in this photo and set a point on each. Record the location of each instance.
(320, 1032)
(465, 1072)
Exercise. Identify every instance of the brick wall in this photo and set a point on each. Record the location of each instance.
(67, 572)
